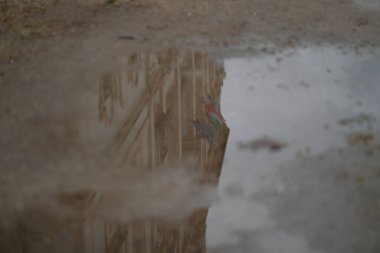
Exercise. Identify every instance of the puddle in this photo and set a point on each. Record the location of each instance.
(178, 151)
(368, 4)
(318, 193)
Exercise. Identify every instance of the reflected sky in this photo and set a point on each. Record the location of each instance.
(299, 97)
(368, 4)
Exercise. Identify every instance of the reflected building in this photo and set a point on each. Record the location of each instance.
(145, 118)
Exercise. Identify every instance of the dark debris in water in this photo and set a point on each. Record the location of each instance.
(358, 138)
(304, 84)
(126, 37)
(365, 140)
(263, 143)
(362, 118)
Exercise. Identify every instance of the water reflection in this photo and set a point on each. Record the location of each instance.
(129, 165)
(319, 193)
(131, 161)
(368, 4)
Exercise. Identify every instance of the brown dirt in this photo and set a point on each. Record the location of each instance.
(38, 34)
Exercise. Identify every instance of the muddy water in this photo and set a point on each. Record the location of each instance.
(176, 150)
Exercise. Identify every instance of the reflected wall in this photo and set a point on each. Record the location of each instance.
(153, 115)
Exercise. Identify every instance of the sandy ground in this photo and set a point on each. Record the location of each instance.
(29, 29)
(45, 37)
